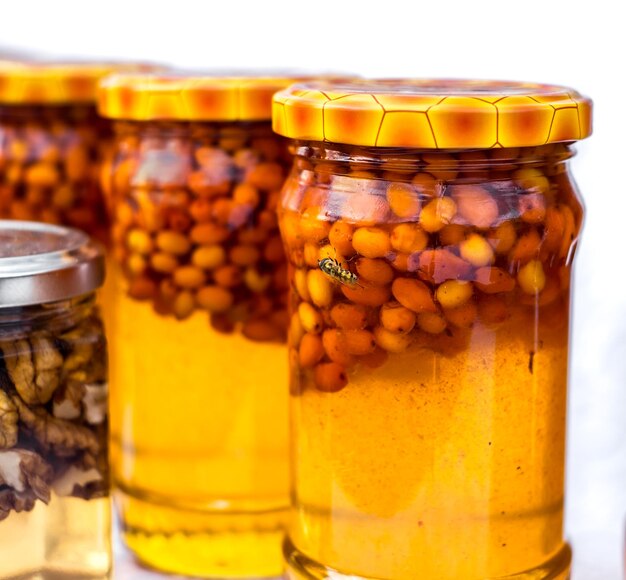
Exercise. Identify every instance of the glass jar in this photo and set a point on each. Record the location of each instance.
(52, 142)
(199, 402)
(54, 479)
(430, 229)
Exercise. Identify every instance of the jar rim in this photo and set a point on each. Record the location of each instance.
(42, 263)
(193, 95)
(432, 113)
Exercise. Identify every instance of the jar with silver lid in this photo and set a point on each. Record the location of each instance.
(54, 508)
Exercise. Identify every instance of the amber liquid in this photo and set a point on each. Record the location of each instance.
(443, 463)
(69, 539)
(198, 444)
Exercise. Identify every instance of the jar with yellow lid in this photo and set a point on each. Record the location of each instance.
(430, 228)
(52, 142)
(54, 475)
(199, 392)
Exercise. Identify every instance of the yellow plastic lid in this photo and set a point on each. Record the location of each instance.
(56, 83)
(432, 114)
(190, 96)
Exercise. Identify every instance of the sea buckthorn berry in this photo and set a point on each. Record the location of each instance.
(200, 210)
(425, 184)
(359, 342)
(330, 377)
(244, 255)
(208, 257)
(320, 288)
(139, 241)
(340, 238)
(300, 281)
(136, 264)
(439, 265)
(532, 208)
(408, 238)
(184, 305)
(392, 341)
(252, 235)
(532, 179)
(371, 242)
(475, 205)
(173, 243)
(142, 288)
(328, 251)
(228, 275)
(431, 322)
(374, 271)
(335, 346)
(452, 234)
(377, 358)
(396, 318)
(312, 227)
(437, 213)
(400, 262)
(311, 254)
(492, 280)
(403, 200)
(311, 350)
(366, 295)
(553, 230)
(296, 330)
(310, 317)
(413, 294)
(265, 176)
(492, 309)
(454, 293)
(42, 175)
(462, 316)
(503, 238)
(551, 291)
(476, 250)
(209, 234)
(531, 277)
(349, 316)
(260, 330)
(189, 277)
(246, 194)
(256, 281)
(214, 298)
(163, 262)
(274, 251)
(526, 248)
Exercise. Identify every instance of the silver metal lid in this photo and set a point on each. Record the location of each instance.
(42, 263)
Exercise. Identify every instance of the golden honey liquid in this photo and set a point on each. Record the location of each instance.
(447, 462)
(199, 423)
(69, 539)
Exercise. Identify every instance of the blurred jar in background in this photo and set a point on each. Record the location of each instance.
(199, 391)
(54, 472)
(430, 229)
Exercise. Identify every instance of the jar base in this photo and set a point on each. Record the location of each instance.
(204, 543)
(298, 566)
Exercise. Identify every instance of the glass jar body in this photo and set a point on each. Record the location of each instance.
(54, 504)
(199, 406)
(49, 165)
(428, 353)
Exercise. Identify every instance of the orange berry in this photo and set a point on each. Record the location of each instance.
(349, 316)
(396, 318)
(311, 350)
(330, 377)
(413, 294)
(475, 205)
(374, 271)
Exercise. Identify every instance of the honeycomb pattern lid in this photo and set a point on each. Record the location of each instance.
(56, 83)
(432, 114)
(190, 96)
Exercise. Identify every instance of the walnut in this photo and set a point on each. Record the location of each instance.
(33, 366)
(96, 403)
(83, 483)
(62, 437)
(8, 421)
(67, 400)
(24, 478)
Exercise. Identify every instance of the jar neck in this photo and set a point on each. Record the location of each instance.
(358, 158)
(59, 315)
(76, 113)
(191, 129)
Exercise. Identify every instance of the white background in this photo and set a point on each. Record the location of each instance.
(580, 44)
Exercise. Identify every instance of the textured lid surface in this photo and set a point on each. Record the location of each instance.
(47, 82)
(42, 263)
(432, 114)
(186, 96)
